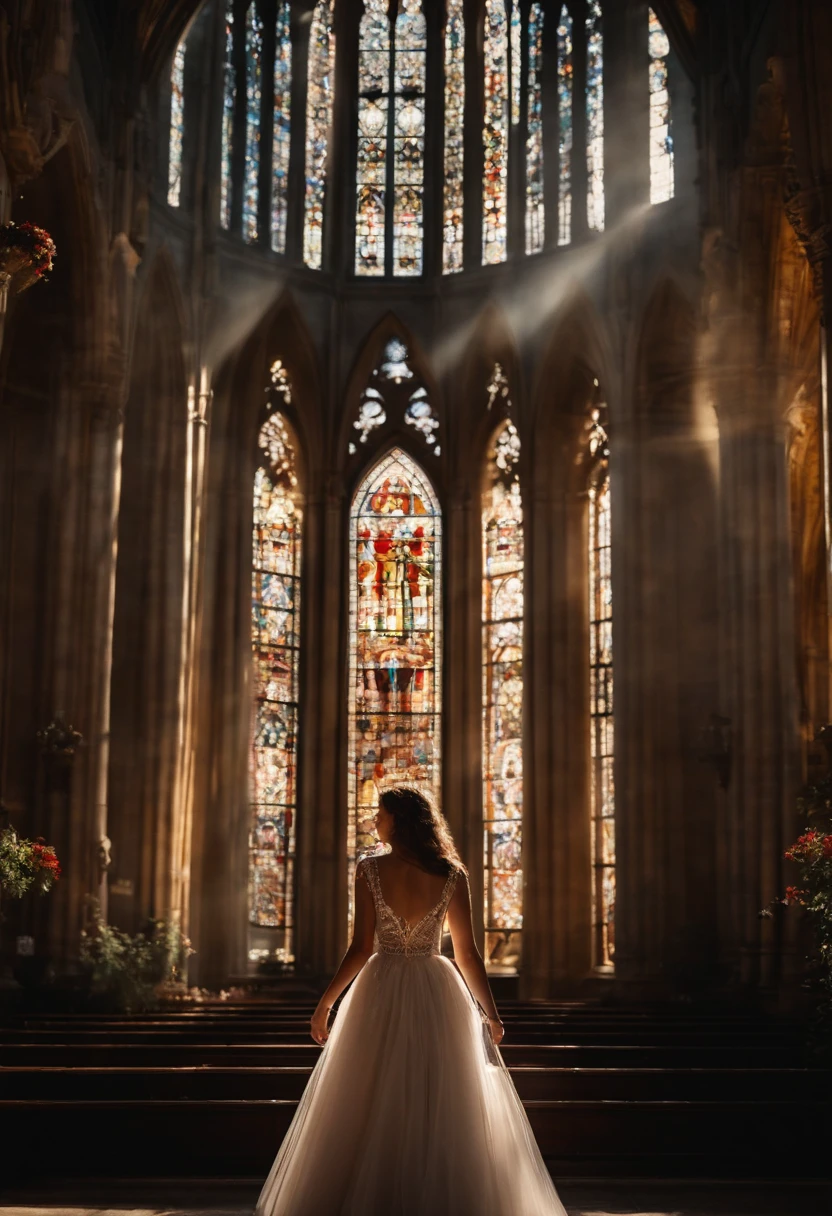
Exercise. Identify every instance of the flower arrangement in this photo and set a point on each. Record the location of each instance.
(26, 254)
(26, 863)
(130, 972)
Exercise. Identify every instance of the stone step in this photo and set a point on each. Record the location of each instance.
(239, 1138)
(647, 1085)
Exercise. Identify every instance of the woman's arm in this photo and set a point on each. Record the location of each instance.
(468, 957)
(359, 950)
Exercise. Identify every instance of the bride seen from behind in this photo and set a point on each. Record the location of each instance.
(410, 1110)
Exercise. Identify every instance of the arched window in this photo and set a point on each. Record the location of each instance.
(320, 91)
(395, 640)
(594, 117)
(602, 736)
(502, 616)
(453, 199)
(662, 183)
(275, 639)
(265, 127)
(177, 125)
(565, 83)
(495, 133)
(535, 219)
(389, 214)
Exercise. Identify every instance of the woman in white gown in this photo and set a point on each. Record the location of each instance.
(410, 1110)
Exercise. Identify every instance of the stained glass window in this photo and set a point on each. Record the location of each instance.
(594, 117)
(602, 787)
(453, 201)
(413, 403)
(254, 56)
(409, 138)
(516, 36)
(177, 124)
(282, 85)
(661, 130)
(534, 133)
(565, 79)
(503, 560)
(229, 101)
(391, 141)
(395, 650)
(319, 95)
(495, 133)
(276, 556)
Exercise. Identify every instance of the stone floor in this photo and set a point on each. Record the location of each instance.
(635, 1198)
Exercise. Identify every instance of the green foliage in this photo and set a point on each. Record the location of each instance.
(127, 971)
(26, 863)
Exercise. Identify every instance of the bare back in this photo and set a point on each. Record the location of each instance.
(408, 890)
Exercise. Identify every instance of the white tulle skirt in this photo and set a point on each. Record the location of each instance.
(404, 1115)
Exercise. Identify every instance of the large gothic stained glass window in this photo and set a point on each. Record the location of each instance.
(320, 91)
(594, 117)
(389, 217)
(275, 635)
(502, 612)
(661, 131)
(395, 650)
(453, 200)
(602, 749)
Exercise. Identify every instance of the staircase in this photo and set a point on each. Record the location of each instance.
(610, 1092)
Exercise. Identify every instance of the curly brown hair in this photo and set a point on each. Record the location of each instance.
(421, 830)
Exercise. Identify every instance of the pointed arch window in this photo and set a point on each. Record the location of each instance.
(177, 125)
(601, 706)
(275, 637)
(453, 199)
(502, 617)
(594, 116)
(662, 183)
(263, 128)
(395, 640)
(389, 214)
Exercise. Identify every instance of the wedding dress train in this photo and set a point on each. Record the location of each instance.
(407, 1112)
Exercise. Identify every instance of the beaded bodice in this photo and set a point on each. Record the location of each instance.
(393, 933)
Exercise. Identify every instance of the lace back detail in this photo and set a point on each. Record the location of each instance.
(394, 934)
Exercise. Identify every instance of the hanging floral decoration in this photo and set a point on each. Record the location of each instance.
(26, 254)
(26, 863)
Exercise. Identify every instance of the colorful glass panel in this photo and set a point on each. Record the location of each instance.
(535, 219)
(565, 79)
(395, 651)
(319, 96)
(276, 561)
(662, 184)
(503, 566)
(602, 750)
(177, 125)
(516, 35)
(453, 200)
(282, 85)
(495, 132)
(371, 166)
(229, 101)
(409, 138)
(594, 117)
(254, 57)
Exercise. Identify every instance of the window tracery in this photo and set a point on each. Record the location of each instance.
(319, 99)
(177, 124)
(502, 614)
(275, 635)
(413, 406)
(395, 651)
(661, 130)
(602, 741)
(594, 116)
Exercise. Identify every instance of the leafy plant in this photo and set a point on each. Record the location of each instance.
(126, 970)
(26, 863)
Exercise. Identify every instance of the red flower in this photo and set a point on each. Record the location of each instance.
(794, 895)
